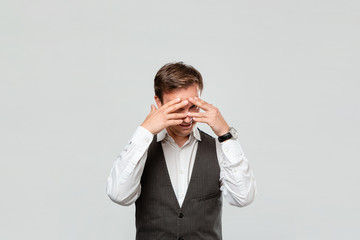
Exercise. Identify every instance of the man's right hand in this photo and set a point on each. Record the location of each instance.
(164, 116)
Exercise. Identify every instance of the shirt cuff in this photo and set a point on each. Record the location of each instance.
(142, 137)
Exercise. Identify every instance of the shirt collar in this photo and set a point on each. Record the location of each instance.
(163, 133)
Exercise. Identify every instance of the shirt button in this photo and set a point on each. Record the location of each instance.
(181, 172)
(147, 140)
(181, 215)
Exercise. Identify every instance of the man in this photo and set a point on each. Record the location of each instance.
(175, 173)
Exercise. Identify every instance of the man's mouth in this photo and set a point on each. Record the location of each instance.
(186, 125)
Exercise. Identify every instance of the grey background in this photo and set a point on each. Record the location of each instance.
(77, 79)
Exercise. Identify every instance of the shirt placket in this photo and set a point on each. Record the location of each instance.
(182, 176)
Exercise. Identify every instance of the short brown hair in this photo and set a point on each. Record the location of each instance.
(174, 76)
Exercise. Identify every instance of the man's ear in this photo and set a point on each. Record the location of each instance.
(158, 102)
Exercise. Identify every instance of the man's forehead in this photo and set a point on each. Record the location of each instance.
(183, 93)
(170, 98)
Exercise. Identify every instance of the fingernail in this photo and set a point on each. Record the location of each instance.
(191, 99)
(189, 113)
(196, 98)
(186, 102)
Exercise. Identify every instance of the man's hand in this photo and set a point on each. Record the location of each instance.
(211, 116)
(164, 116)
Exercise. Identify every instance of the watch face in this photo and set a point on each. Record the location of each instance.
(234, 133)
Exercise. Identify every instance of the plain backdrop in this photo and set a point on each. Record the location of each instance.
(76, 79)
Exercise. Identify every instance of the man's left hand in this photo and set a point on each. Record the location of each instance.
(211, 116)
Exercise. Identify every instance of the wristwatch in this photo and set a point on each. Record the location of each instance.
(231, 134)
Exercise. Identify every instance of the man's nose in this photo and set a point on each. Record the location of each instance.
(187, 119)
(186, 109)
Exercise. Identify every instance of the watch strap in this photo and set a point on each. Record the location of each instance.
(225, 137)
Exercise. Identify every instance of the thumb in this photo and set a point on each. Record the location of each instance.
(153, 108)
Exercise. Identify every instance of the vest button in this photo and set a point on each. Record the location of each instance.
(181, 216)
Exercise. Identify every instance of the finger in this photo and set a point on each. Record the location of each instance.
(176, 106)
(176, 100)
(153, 108)
(200, 103)
(200, 119)
(174, 122)
(176, 115)
(197, 114)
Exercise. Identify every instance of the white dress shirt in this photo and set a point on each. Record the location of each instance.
(238, 184)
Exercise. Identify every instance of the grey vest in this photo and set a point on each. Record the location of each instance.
(158, 214)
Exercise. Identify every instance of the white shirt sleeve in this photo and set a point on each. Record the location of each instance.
(123, 183)
(237, 180)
